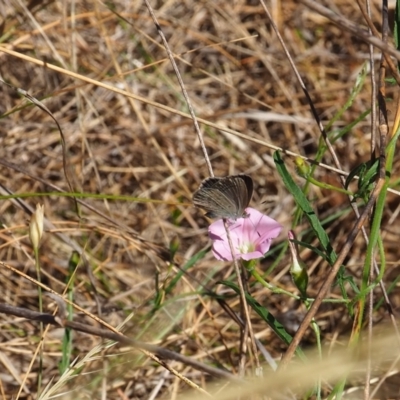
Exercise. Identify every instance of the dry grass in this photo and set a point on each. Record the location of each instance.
(136, 141)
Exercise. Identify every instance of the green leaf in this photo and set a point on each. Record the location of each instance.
(367, 173)
(367, 179)
(359, 170)
(303, 203)
(396, 32)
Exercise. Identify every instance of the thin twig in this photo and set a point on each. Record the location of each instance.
(181, 84)
(371, 28)
(249, 327)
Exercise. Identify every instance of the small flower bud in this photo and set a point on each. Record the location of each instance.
(298, 269)
(36, 226)
(302, 168)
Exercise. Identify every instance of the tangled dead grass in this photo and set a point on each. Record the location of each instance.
(128, 140)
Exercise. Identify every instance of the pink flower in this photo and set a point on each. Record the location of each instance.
(251, 236)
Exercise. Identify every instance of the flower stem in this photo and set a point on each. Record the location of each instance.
(37, 266)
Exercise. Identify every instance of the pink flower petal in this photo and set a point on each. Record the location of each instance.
(251, 237)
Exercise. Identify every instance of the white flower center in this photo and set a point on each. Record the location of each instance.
(246, 248)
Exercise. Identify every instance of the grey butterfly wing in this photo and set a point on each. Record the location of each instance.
(239, 188)
(224, 197)
(212, 199)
